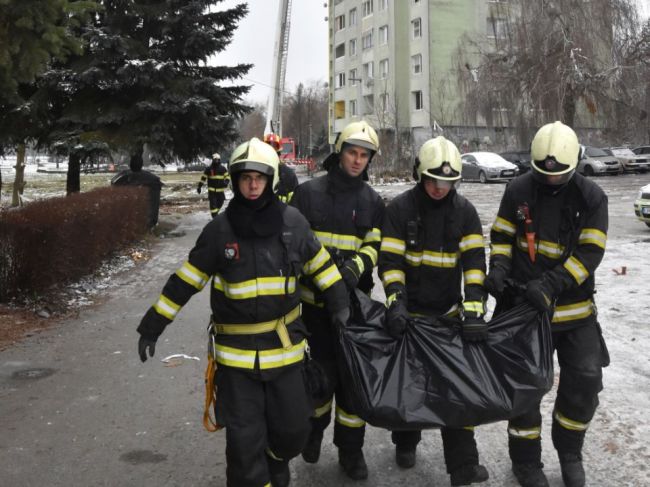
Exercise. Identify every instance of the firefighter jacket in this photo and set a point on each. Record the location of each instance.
(217, 178)
(570, 232)
(253, 286)
(347, 220)
(428, 249)
(288, 183)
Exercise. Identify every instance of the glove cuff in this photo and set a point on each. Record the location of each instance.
(152, 325)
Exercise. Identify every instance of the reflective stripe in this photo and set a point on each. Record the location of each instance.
(544, 247)
(474, 276)
(359, 263)
(262, 286)
(370, 252)
(278, 325)
(474, 307)
(592, 236)
(268, 359)
(217, 190)
(326, 278)
(569, 424)
(504, 226)
(576, 269)
(166, 307)
(347, 419)
(235, 357)
(526, 434)
(192, 275)
(373, 235)
(324, 409)
(575, 311)
(431, 258)
(473, 241)
(218, 176)
(501, 249)
(339, 241)
(215, 210)
(270, 453)
(392, 276)
(316, 262)
(308, 296)
(393, 245)
(391, 299)
(286, 197)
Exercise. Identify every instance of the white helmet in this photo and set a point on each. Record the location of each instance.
(358, 133)
(255, 155)
(438, 158)
(555, 151)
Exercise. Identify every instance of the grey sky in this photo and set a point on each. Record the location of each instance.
(254, 42)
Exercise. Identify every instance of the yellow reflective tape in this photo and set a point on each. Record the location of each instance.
(474, 307)
(316, 262)
(570, 424)
(326, 278)
(308, 296)
(472, 241)
(391, 299)
(392, 276)
(324, 409)
(370, 252)
(270, 453)
(261, 286)
(501, 249)
(575, 311)
(279, 357)
(526, 434)
(474, 276)
(192, 276)
(218, 176)
(504, 226)
(359, 263)
(431, 258)
(373, 235)
(235, 357)
(217, 190)
(576, 269)
(215, 210)
(347, 419)
(593, 236)
(278, 325)
(393, 245)
(549, 249)
(338, 241)
(166, 307)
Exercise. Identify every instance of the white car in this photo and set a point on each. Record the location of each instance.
(487, 166)
(630, 161)
(642, 205)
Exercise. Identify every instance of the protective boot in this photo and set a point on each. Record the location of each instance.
(573, 473)
(530, 474)
(279, 473)
(353, 464)
(469, 474)
(405, 456)
(311, 452)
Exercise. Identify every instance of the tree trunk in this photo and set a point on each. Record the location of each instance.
(569, 106)
(19, 181)
(73, 183)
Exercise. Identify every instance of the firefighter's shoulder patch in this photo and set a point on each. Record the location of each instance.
(231, 251)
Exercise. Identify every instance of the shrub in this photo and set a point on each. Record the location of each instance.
(61, 239)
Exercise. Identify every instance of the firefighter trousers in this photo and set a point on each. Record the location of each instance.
(458, 444)
(349, 429)
(216, 199)
(266, 419)
(581, 353)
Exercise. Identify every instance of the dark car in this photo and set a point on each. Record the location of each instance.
(520, 158)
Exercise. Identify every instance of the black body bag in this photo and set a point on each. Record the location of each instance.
(431, 377)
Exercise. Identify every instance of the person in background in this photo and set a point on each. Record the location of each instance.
(136, 176)
(346, 214)
(252, 256)
(550, 234)
(288, 178)
(216, 177)
(432, 244)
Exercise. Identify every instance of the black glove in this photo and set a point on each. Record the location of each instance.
(495, 281)
(474, 329)
(198, 188)
(541, 295)
(397, 318)
(349, 274)
(145, 343)
(341, 317)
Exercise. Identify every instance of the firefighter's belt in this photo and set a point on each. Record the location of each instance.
(278, 325)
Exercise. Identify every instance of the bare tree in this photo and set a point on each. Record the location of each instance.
(252, 124)
(304, 117)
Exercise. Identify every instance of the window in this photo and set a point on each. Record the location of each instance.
(369, 70)
(353, 47)
(339, 23)
(497, 28)
(368, 7)
(368, 104)
(352, 106)
(339, 80)
(339, 109)
(383, 35)
(383, 4)
(418, 103)
(383, 68)
(416, 64)
(383, 102)
(352, 17)
(352, 77)
(416, 25)
(366, 40)
(339, 51)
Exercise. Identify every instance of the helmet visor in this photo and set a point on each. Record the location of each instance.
(243, 166)
(553, 179)
(444, 172)
(550, 166)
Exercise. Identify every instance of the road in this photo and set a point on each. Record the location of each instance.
(78, 408)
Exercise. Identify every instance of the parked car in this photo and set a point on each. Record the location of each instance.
(630, 161)
(487, 166)
(642, 205)
(643, 150)
(520, 158)
(597, 161)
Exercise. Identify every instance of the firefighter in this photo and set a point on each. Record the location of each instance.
(346, 214)
(432, 241)
(253, 254)
(288, 179)
(550, 234)
(217, 178)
